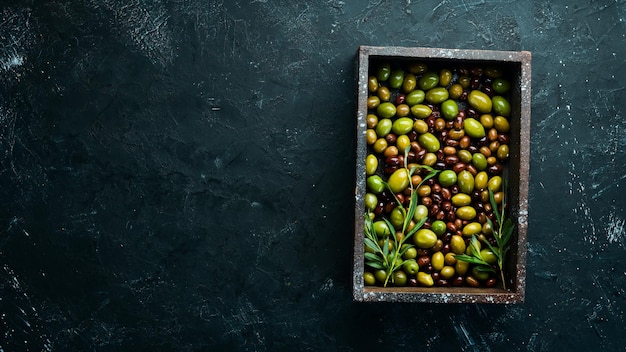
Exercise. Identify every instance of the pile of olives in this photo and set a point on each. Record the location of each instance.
(455, 120)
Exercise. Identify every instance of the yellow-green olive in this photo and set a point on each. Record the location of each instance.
(371, 164)
(473, 228)
(375, 184)
(472, 128)
(372, 120)
(457, 244)
(500, 85)
(371, 201)
(429, 159)
(455, 91)
(370, 136)
(479, 160)
(399, 180)
(409, 84)
(503, 152)
(429, 142)
(415, 97)
(383, 72)
(480, 275)
(402, 126)
(396, 217)
(495, 183)
(428, 81)
(421, 211)
(373, 102)
(461, 267)
(480, 180)
(381, 228)
(396, 77)
(447, 272)
(425, 279)
(488, 255)
(479, 101)
(436, 261)
(369, 279)
(466, 213)
(417, 68)
(449, 109)
(383, 93)
(465, 181)
(372, 84)
(437, 95)
(501, 124)
(420, 126)
(402, 142)
(461, 199)
(384, 127)
(380, 145)
(486, 120)
(464, 155)
(425, 238)
(445, 77)
(421, 111)
(386, 110)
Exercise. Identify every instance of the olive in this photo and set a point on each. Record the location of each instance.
(464, 156)
(402, 126)
(429, 142)
(479, 101)
(501, 124)
(372, 120)
(421, 111)
(461, 267)
(437, 261)
(396, 78)
(398, 181)
(417, 68)
(438, 227)
(383, 72)
(480, 180)
(488, 255)
(473, 228)
(472, 281)
(461, 199)
(465, 181)
(494, 184)
(501, 106)
(500, 85)
(447, 272)
(447, 178)
(503, 152)
(486, 120)
(369, 279)
(449, 109)
(373, 102)
(381, 228)
(425, 279)
(403, 141)
(449, 258)
(383, 127)
(371, 164)
(372, 84)
(384, 94)
(437, 95)
(457, 244)
(479, 160)
(370, 136)
(466, 212)
(396, 217)
(409, 83)
(425, 238)
(421, 211)
(386, 110)
(410, 267)
(409, 253)
(464, 81)
(375, 184)
(445, 77)
(380, 275)
(370, 201)
(493, 72)
(472, 127)
(380, 145)
(429, 159)
(455, 91)
(399, 278)
(428, 81)
(415, 97)
(480, 274)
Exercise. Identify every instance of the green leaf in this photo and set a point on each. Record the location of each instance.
(494, 206)
(385, 249)
(371, 244)
(485, 268)
(411, 212)
(375, 265)
(415, 228)
(475, 246)
(470, 259)
(373, 257)
(404, 249)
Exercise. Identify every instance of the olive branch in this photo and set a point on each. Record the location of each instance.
(502, 236)
(390, 260)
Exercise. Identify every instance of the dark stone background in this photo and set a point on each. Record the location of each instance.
(178, 175)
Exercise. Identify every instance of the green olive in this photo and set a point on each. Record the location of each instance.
(501, 124)
(399, 278)
(396, 217)
(449, 109)
(486, 120)
(480, 180)
(425, 279)
(373, 102)
(380, 275)
(461, 267)
(369, 279)
(371, 164)
(421, 211)
(421, 111)
(370, 136)
(493, 72)
(473, 228)
(428, 81)
(438, 227)
(488, 255)
(479, 160)
(399, 180)
(409, 253)
(465, 181)
(447, 178)
(445, 76)
(447, 272)
(386, 110)
(409, 84)
(429, 142)
(415, 97)
(396, 78)
(466, 213)
(480, 275)
(436, 260)
(457, 244)
(501, 106)
(461, 199)
(417, 68)
(420, 126)
(472, 127)
(383, 72)
(429, 159)
(479, 101)
(402, 126)
(381, 228)
(371, 201)
(425, 238)
(375, 184)
(494, 184)
(380, 145)
(410, 266)
(384, 127)
(500, 86)
(455, 91)
(437, 95)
